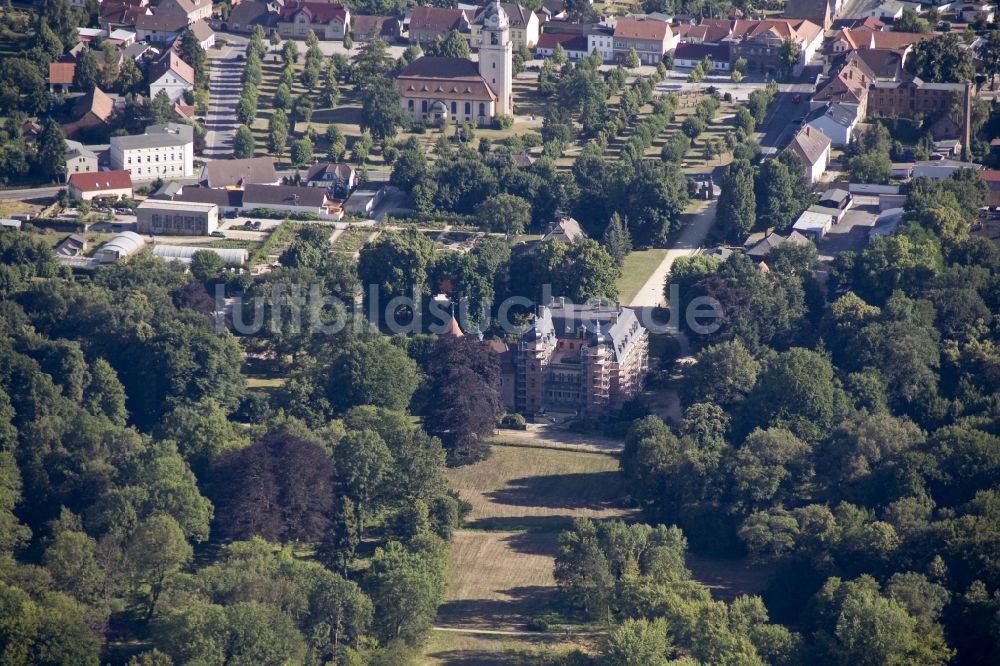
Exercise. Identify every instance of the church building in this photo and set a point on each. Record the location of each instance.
(435, 88)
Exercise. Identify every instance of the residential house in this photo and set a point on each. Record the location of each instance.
(577, 39)
(191, 10)
(848, 86)
(888, 11)
(181, 218)
(704, 33)
(651, 39)
(573, 43)
(365, 28)
(287, 198)
(79, 159)
(819, 12)
(853, 39)
(119, 14)
(236, 174)
(246, 16)
(760, 42)
(61, 76)
(524, 25)
(91, 110)
(601, 38)
(690, 54)
(161, 27)
(884, 64)
(164, 151)
(813, 149)
(836, 120)
(171, 75)
(565, 230)
(329, 20)
(203, 33)
(339, 178)
(100, 185)
(427, 23)
(587, 359)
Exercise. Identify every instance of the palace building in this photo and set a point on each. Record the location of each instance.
(435, 89)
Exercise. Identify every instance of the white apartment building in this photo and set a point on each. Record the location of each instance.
(164, 151)
(601, 39)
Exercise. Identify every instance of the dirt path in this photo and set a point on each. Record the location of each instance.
(688, 243)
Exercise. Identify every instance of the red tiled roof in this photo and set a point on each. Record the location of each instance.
(364, 26)
(61, 73)
(435, 77)
(641, 28)
(98, 181)
(96, 102)
(318, 12)
(438, 19)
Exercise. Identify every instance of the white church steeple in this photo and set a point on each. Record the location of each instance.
(496, 57)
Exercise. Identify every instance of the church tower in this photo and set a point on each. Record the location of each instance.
(496, 57)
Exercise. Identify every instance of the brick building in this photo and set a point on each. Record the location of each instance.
(584, 359)
(950, 103)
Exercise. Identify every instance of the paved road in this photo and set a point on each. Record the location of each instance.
(688, 243)
(224, 86)
(31, 193)
(783, 122)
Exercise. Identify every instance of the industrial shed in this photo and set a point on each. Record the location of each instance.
(123, 245)
(184, 253)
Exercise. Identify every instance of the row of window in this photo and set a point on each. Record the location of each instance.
(177, 221)
(149, 158)
(424, 106)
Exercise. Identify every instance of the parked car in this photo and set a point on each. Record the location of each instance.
(218, 234)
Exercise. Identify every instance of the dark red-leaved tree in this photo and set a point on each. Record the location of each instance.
(465, 384)
(279, 488)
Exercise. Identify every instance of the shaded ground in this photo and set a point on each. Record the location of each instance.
(493, 650)
(728, 579)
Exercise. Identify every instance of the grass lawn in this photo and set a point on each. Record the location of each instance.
(265, 383)
(542, 489)
(10, 207)
(501, 571)
(636, 271)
